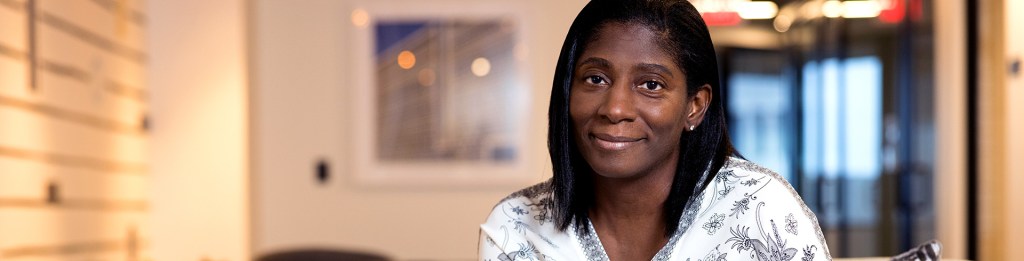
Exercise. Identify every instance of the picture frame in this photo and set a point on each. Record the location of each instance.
(441, 96)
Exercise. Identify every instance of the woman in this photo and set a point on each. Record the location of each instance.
(643, 167)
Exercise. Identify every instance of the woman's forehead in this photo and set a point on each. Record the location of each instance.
(627, 44)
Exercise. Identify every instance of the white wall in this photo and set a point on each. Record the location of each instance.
(302, 76)
(1014, 43)
(197, 73)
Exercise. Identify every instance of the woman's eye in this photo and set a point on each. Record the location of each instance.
(595, 80)
(651, 85)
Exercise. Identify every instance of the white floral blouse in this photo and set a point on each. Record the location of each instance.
(747, 213)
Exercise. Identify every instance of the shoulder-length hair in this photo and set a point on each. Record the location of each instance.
(703, 151)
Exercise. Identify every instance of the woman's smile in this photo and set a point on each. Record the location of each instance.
(614, 142)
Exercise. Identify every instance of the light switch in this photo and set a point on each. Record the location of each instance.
(323, 171)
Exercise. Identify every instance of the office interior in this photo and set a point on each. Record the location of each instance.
(240, 129)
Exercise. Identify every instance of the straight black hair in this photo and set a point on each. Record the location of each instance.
(702, 151)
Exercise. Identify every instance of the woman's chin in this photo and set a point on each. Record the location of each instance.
(616, 172)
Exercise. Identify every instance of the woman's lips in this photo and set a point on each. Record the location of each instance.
(612, 142)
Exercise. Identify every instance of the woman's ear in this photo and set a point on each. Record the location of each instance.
(699, 103)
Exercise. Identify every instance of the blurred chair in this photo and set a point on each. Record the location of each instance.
(322, 255)
(929, 251)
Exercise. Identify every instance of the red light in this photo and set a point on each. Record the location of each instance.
(721, 18)
(893, 13)
(916, 12)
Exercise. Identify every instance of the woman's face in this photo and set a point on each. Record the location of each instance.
(628, 103)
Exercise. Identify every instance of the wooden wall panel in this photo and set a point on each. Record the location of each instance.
(30, 179)
(36, 132)
(73, 145)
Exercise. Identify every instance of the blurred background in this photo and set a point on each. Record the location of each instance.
(237, 130)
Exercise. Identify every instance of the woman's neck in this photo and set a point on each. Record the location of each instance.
(629, 214)
(630, 198)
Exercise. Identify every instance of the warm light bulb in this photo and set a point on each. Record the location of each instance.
(480, 67)
(360, 18)
(782, 22)
(832, 9)
(406, 59)
(861, 9)
(757, 10)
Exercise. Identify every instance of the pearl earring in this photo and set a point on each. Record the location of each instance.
(691, 127)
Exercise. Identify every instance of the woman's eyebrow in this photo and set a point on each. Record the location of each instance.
(595, 61)
(654, 67)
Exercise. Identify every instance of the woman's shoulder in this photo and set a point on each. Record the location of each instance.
(522, 223)
(534, 194)
(749, 207)
(738, 173)
(741, 183)
(528, 206)
(736, 164)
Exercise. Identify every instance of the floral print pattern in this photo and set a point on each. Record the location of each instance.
(745, 212)
(714, 223)
(740, 207)
(762, 246)
(791, 224)
(809, 253)
(751, 182)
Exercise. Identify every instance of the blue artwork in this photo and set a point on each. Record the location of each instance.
(448, 90)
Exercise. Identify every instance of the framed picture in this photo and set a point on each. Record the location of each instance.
(441, 95)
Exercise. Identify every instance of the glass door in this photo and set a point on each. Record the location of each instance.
(843, 110)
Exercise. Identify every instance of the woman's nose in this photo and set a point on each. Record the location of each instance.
(618, 104)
